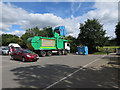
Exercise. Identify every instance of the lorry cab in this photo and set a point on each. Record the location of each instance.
(67, 46)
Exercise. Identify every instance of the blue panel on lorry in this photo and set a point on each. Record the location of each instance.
(83, 50)
(61, 29)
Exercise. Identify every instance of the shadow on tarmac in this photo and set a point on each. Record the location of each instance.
(41, 77)
(113, 60)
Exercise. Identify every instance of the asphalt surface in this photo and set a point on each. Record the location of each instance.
(71, 71)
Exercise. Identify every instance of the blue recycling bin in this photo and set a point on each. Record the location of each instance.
(83, 50)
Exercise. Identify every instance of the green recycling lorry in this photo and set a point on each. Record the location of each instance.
(47, 45)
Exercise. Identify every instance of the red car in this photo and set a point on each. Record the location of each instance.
(24, 55)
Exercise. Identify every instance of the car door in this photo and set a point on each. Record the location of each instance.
(19, 56)
(15, 54)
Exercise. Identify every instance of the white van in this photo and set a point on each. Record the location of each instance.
(13, 46)
(4, 50)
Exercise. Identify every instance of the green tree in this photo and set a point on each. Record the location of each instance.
(117, 32)
(73, 43)
(33, 31)
(49, 31)
(25, 36)
(92, 34)
(8, 38)
(111, 42)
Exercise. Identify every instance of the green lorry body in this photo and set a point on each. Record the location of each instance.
(46, 43)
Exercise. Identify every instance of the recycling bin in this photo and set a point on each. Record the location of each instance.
(83, 50)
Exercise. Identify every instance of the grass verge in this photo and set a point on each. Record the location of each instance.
(100, 53)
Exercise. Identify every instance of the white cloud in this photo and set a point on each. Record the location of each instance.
(28, 20)
(4, 27)
(16, 32)
(41, 20)
(11, 15)
(106, 12)
(1, 32)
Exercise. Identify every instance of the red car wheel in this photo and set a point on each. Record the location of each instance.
(12, 57)
(23, 59)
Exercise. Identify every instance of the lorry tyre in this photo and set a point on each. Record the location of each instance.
(43, 53)
(59, 52)
(49, 53)
(65, 52)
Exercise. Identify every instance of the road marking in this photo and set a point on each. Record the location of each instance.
(71, 74)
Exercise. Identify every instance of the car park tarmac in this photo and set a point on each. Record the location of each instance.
(70, 71)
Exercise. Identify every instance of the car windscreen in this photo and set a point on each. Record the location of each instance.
(27, 51)
(5, 48)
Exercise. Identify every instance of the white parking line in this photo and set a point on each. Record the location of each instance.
(71, 74)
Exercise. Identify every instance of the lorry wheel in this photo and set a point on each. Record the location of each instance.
(49, 53)
(65, 52)
(43, 53)
(59, 53)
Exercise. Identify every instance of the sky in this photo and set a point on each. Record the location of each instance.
(18, 16)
